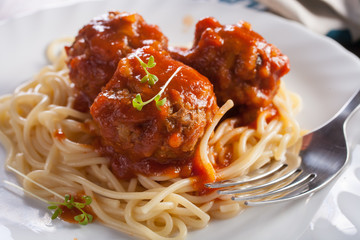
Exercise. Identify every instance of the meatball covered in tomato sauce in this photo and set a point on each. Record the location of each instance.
(238, 61)
(162, 134)
(99, 45)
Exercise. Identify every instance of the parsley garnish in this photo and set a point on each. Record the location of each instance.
(83, 218)
(149, 78)
(138, 103)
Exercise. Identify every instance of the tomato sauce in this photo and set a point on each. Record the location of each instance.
(225, 62)
(59, 134)
(68, 214)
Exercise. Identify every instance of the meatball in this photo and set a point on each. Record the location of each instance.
(167, 134)
(99, 45)
(238, 61)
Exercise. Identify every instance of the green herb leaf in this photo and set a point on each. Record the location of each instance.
(90, 217)
(69, 202)
(79, 205)
(67, 197)
(87, 199)
(160, 103)
(57, 213)
(152, 79)
(151, 63)
(79, 217)
(138, 103)
(149, 78)
(145, 79)
(84, 218)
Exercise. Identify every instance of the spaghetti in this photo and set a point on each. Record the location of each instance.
(50, 142)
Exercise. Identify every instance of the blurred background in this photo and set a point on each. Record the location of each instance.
(337, 19)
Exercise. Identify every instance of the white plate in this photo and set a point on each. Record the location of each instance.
(322, 72)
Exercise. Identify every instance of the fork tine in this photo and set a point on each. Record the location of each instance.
(300, 181)
(250, 178)
(267, 184)
(292, 195)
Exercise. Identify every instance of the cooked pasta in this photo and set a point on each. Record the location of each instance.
(50, 142)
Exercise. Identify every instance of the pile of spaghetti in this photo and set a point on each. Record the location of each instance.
(145, 167)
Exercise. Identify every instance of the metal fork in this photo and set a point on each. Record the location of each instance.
(324, 153)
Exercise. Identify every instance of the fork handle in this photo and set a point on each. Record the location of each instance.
(352, 104)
